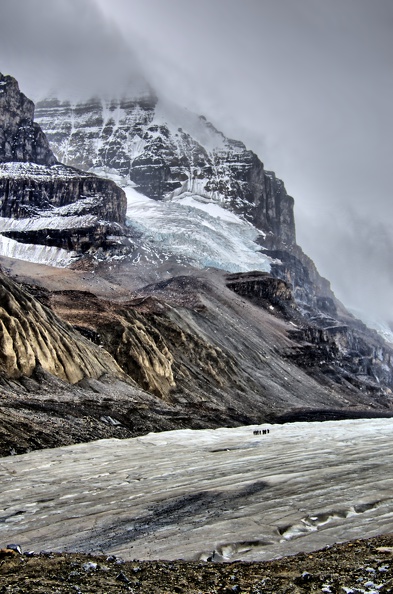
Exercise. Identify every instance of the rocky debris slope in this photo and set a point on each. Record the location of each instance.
(241, 353)
(45, 203)
(358, 566)
(42, 411)
(58, 388)
(184, 353)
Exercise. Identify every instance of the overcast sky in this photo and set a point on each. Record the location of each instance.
(307, 84)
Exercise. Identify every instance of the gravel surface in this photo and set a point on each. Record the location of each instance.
(356, 567)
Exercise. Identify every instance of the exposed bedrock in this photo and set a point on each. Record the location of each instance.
(136, 139)
(345, 354)
(309, 288)
(27, 191)
(21, 139)
(340, 347)
(93, 239)
(44, 202)
(63, 207)
(262, 289)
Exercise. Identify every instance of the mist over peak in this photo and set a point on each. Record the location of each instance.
(73, 51)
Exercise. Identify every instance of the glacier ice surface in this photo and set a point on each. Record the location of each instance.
(201, 231)
(189, 493)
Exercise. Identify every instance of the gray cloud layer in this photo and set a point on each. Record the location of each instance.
(307, 84)
(64, 46)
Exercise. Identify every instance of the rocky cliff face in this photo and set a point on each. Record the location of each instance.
(46, 203)
(342, 350)
(28, 190)
(309, 289)
(169, 152)
(61, 207)
(263, 289)
(21, 139)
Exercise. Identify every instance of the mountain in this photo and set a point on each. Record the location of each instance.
(179, 297)
(165, 152)
(170, 154)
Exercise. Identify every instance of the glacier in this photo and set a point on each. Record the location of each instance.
(196, 231)
(196, 494)
(187, 229)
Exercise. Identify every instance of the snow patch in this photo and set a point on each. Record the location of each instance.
(22, 170)
(39, 254)
(47, 222)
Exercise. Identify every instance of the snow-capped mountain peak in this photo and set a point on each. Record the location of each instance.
(167, 151)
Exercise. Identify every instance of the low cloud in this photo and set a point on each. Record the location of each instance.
(355, 253)
(65, 47)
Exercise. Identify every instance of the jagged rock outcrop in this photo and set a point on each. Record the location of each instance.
(21, 139)
(341, 349)
(62, 207)
(139, 140)
(46, 203)
(262, 289)
(309, 289)
(345, 354)
(28, 190)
